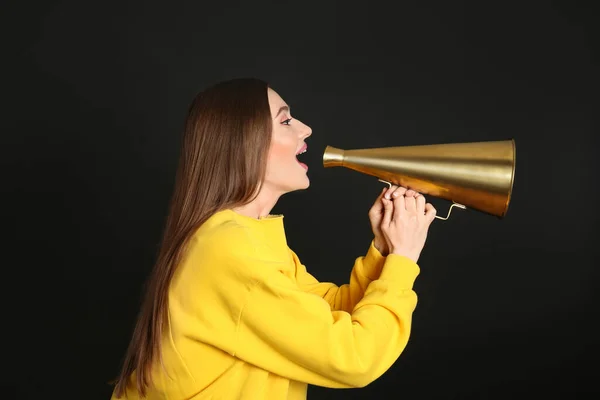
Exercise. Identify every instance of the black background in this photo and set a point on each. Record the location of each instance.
(94, 99)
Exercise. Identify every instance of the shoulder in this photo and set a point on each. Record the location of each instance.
(224, 248)
(214, 261)
(221, 240)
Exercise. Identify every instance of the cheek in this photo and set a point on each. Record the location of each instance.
(282, 151)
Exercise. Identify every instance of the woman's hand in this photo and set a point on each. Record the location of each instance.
(400, 220)
(376, 216)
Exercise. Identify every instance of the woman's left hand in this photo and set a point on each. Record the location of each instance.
(376, 214)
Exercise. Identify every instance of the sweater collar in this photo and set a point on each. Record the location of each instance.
(271, 221)
(270, 229)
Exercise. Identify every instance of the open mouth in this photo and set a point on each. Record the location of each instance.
(302, 150)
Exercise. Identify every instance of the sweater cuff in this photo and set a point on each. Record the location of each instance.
(373, 262)
(401, 270)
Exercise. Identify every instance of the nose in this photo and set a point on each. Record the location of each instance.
(306, 130)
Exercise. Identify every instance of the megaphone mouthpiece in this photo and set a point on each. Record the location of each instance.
(333, 157)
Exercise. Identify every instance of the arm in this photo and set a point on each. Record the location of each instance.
(345, 297)
(233, 294)
(294, 334)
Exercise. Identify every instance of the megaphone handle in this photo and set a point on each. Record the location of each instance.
(450, 210)
(437, 216)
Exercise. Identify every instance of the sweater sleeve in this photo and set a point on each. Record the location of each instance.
(345, 297)
(295, 334)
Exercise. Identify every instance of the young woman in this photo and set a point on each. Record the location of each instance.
(230, 311)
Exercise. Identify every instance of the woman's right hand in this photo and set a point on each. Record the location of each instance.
(405, 222)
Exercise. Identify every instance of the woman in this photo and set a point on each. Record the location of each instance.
(230, 311)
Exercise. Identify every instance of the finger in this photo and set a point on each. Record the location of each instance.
(388, 193)
(420, 204)
(388, 209)
(399, 192)
(399, 207)
(430, 212)
(411, 204)
(376, 211)
(410, 193)
(377, 206)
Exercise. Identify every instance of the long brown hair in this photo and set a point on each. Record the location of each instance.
(222, 165)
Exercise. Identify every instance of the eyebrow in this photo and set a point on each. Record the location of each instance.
(283, 108)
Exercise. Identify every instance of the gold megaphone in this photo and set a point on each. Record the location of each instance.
(477, 175)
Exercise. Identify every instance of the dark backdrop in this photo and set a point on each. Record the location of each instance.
(94, 99)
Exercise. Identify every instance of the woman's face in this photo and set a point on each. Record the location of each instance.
(284, 172)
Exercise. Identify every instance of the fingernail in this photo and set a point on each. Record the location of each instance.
(395, 194)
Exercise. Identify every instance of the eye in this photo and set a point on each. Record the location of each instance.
(287, 121)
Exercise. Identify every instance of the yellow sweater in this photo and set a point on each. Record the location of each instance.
(247, 321)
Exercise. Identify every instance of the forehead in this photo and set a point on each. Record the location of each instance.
(275, 101)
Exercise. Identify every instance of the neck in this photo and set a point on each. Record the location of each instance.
(262, 205)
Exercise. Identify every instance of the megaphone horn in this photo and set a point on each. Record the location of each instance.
(477, 175)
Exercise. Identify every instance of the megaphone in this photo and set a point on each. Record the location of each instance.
(476, 175)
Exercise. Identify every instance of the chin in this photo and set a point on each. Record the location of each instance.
(306, 183)
(300, 186)
(304, 187)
